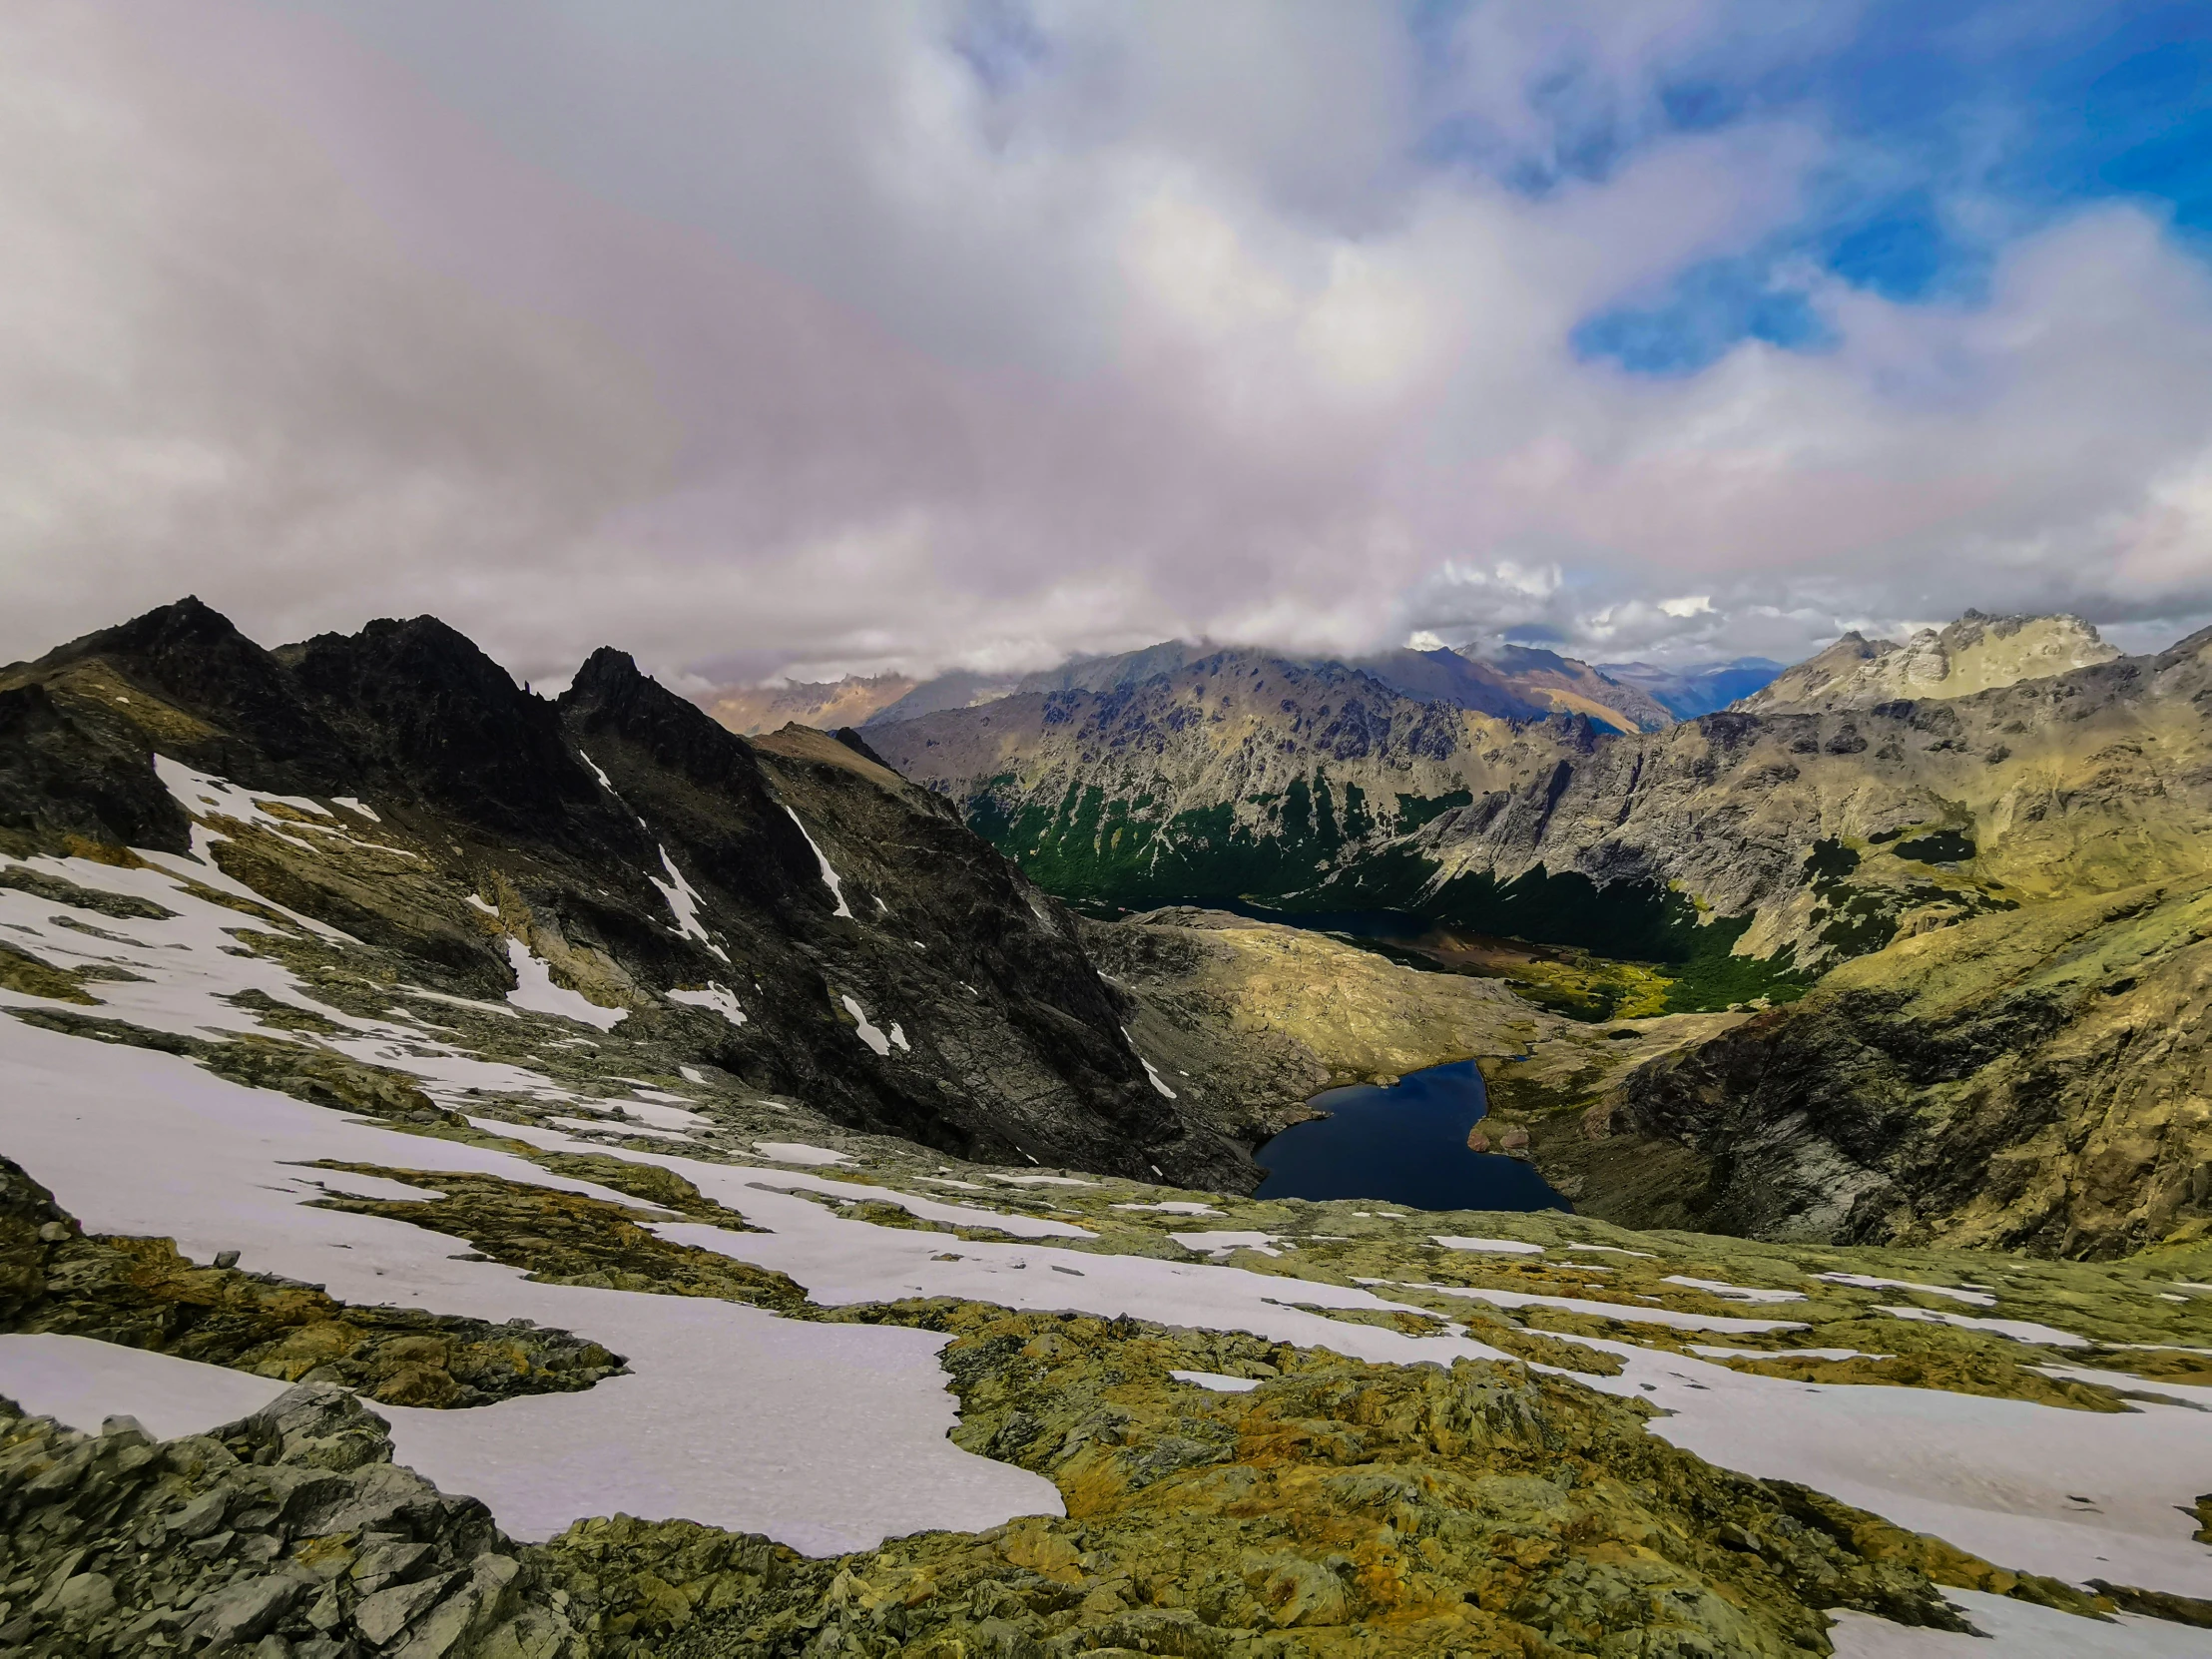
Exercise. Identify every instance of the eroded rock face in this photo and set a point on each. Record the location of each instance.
(2035, 1081)
(289, 1532)
(1974, 654)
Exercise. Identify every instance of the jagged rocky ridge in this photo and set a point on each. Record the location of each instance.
(1976, 653)
(1510, 681)
(637, 848)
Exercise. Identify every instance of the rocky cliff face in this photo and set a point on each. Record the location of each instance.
(792, 913)
(1838, 829)
(2034, 1081)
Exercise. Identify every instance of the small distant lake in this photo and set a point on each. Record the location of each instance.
(1405, 1144)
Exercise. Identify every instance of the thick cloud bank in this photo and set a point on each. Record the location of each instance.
(902, 335)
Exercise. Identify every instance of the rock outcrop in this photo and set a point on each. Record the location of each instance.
(1976, 653)
(291, 1533)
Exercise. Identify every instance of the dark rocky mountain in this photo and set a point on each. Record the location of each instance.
(637, 847)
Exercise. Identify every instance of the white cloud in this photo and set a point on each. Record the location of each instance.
(778, 335)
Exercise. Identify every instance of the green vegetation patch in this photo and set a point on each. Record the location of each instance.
(1088, 846)
(1644, 948)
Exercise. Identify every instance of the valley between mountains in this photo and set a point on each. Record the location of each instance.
(488, 1175)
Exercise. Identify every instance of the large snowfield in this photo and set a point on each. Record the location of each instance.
(831, 1437)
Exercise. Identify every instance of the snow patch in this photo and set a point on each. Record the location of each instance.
(360, 806)
(868, 1033)
(617, 1126)
(1215, 1380)
(717, 996)
(1734, 1292)
(829, 878)
(1219, 1245)
(80, 1381)
(1631, 1312)
(1502, 1246)
(601, 776)
(799, 1152)
(203, 796)
(1867, 1282)
(2021, 1331)
(536, 992)
(478, 903)
(842, 1442)
(348, 1184)
(499, 1008)
(1178, 1207)
(2021, 1630)
(683, 904)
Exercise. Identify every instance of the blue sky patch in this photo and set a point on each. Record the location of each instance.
(1954, 129)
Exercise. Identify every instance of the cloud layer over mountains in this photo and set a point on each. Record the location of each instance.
(907, 335)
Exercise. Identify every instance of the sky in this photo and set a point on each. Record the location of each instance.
(766, 339)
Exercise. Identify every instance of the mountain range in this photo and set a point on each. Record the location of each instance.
(490, 1177)
(1513, 681)
(1877, 808)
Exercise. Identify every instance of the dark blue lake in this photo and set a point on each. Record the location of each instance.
(1404, 1144)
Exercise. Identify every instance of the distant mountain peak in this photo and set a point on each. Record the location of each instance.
(1976, 653)
(1698, 689)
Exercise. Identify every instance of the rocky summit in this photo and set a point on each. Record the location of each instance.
(485, 1176)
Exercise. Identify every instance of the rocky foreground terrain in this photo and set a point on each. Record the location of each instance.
(494, 1178)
